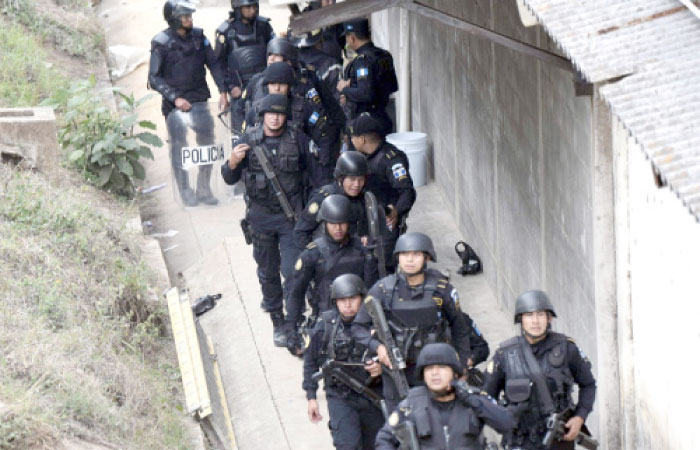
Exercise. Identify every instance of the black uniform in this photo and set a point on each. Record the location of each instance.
(307, 224)
(242, 49)
(424, 314)
(318, 265)
(273, 240)
(354, 419)
(563, 365)
(177, 70)
(453, 425)
(372, 81)
(389, 180)
(307, 114)
(328, 71)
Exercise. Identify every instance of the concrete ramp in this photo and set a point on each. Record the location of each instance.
(262, 382)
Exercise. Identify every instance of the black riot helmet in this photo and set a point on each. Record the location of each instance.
(336, 209)
(438, 354)
(351, 164)
(415, 242)
(276, 103)
(347, 285)
(238, 3)
(531, 301)
(306, 40)
(281, 46)
(279, 72)
(174, 9)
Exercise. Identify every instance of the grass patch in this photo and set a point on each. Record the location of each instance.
(62, 23)
(84, 350)
(25, 78)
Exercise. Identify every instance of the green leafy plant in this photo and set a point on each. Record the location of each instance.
(104, 144)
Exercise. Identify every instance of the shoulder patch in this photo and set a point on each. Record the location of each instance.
(223, 27)
(489, 367)
(393, 419)
(313, 208)
(161, 38)
(312, 93)
(311, 245)
(222, 38)
(299, 264)
(399, 171)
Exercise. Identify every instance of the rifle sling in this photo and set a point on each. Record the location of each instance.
(545, 398)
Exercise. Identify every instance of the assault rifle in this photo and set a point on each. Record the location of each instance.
(375, 310)
(375, 232)
(556, 430)
(272, 177)
(332, 369)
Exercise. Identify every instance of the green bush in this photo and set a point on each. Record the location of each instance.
(104, 145)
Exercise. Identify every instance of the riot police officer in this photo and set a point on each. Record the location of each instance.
(333, 36)
(536, 371)
(179, 55)
(350, 174)
(422, 307)
(445, 414)
(370, 78)
(388, 176)
(327, 70)
(277, 78)
(335, 253)
(308, 113)
(271, 222)
(355, 416)
(241, 41)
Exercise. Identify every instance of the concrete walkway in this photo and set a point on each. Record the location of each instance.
(263, 383)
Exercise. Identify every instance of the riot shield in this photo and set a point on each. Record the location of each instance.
(199, 144)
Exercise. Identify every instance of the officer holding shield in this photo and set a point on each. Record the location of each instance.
(179, 55)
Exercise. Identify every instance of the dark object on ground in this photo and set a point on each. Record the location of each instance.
(204, 304)
(471, 263)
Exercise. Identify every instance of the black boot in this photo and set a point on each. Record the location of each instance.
(204, 194)
(279, 330)
(183, 185)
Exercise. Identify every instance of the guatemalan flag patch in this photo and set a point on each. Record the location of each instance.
(398, 170)
(313, 118)
(362, 72)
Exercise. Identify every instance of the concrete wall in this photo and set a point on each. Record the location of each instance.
(659, 248)
(512, 150)
(539, 178)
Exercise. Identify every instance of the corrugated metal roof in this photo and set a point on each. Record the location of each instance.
(655, 46)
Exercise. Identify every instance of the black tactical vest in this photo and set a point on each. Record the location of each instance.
(183, 68)
(555, 367)
(247, 52)
(416, 322)
(463, 431)
(347, 259)
(339, 345)
(285, 159)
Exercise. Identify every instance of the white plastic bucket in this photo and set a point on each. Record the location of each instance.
(415, 145)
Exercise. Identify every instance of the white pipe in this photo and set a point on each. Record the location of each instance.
(404, 71)
(691, 6)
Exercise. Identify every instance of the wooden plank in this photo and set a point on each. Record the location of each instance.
(338, 13)
(485, 33)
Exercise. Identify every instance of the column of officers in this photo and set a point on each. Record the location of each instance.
(384, 331)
